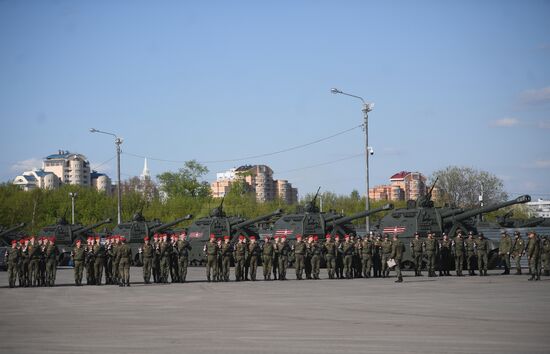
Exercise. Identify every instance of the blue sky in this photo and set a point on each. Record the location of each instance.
(454, 83)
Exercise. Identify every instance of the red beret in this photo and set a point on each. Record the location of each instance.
(284, 236)
(298, 236)
(13, 242)
(241, 237)
(146, 238)
(226, 237)
(252, 237)
(78, 241)
(316, 238)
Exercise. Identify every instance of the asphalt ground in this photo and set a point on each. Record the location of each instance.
(494, 314)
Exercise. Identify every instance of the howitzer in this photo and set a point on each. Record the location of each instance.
(362, 214)
(471, 213)
(3, 234)
(164, 226)
(84, 229)
(239, 225)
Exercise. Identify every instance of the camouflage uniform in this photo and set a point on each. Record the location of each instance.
(430, 248)
(254, 252)
(518, 250)
(533, 256)
(504, 249)
(416, 248)
(445, 246)
(211, 249)
(386, 249)
(99, 262)
(165, 254)
(283, 249)
(51, 254)
(240, 256)
(397, 251)
(12, 257)
(482, 246)
(459, 250)
(147, 252)
(315, 250)
(348, 249)
(34, 251)
(125, 253)
(267, 258)
(470, 255)
(78, 254)
(330, 250)
(299, 257)
(366, 256)
(183, 248)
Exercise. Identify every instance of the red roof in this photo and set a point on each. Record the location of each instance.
(399, 175)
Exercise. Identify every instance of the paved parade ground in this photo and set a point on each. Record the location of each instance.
(494, 314)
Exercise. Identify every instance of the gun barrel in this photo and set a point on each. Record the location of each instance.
(470, 213)
(170, 224)
(82, 229)
(12, 229)
(256, 220)
(361, 214)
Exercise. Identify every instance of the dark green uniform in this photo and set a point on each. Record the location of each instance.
(267, 258)
(470, 255)
(116, 263)
(504, 251)
(366, 247)
(12, 257)
(348, 248)
(377, 258)
(386, 249)
(79, 255)
(339, 259)
(99, 262)
(518, 250)
(226, 251)
(51, 254)
(254, 252)
(109, 263)
(329, 249)
(34, 251)
(240, 257)
(283, 249)
(416, 249)
(546, 255)
(299, 258)
(533, 256)
(89, 262)
(211, 249)
(147, 252)
(445, 251)
(183, 248)
(430, 248)
(397, 251)
(482, 246)
(165, 254)
(275, 259)
(155, 266)
(25, 265)
(315, 250)
(459, 249)
(125, 253)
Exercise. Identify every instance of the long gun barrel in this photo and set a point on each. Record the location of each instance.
(8, 231)
(256, 220)
(486, 209)
(362, 214)
(81, 230)
(170, 224)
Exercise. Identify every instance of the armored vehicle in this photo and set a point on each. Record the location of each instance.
(138, 228)
(66, 235)
(6, 235)
(422, 216)
(219, 224)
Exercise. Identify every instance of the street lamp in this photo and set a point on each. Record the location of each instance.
(118, 142)
(73, 196)
(367, 107)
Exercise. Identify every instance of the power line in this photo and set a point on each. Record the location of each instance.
(323, 163)
(254, 156)
(103, 163)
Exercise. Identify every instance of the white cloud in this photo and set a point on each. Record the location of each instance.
(505, 122)
(26, 165)
(542, 163)
(536, 96)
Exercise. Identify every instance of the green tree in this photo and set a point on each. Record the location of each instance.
(185, 182)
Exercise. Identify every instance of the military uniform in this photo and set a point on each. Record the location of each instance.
(430, 248)
(482, 247)
(339, 259)
(267, 258)
(42, 263)
(504, 249)
(174, 264)
(240, 256)
(377, 258)
(315, 250)
(165, 254)
(348, 249)
(459, 250)
(386, 249)
(125, 253)
(89, 262)
(397, 251)
(25, 265)
(211, 249)
(78, 254)
(533, 256)
(183, 248)
(34, 253)
(445, 252)
(99, 262)
(329, 249)
(225, 251)
(116, 261)
(299, 257)
(109, 262)
(307, 259)
(147, 252)
(470, 255)
(283, 249)
(51, 255)
(546, 255)
(254, 252)
(366, 256)
(518, 250)
(275, 258)
(417, 248)
(12, 257)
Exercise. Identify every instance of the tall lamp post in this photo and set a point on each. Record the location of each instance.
(73, 196)
(367, 107)
(118, 142)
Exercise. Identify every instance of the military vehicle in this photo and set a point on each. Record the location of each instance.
(136, 230)
(219, 224)
(5, 242)
(506, 221)
(66, 235)
(422, 216)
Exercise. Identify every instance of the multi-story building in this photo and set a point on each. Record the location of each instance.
(540, 208)
(63, 168)
(403, 186)
(259, 179)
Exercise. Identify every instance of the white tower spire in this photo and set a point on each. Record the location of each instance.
(145, 174)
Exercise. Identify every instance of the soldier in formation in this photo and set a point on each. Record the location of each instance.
(299, 249)
(397, 250)
(283, 249)
(445, 255)
(275, 257)
(211, 250)
(347, 249)
(125, 254)
(339, 258)
(330, 250)
(518, 250)
(504, 249)
(545, 258)
(470, 245)
(431, 248)
(254, 252)
(482, 248)
(417, 250)
(315, 251)
(13, 256)
(385, 249)
(239, 254)
(146, 252)
(78, 255)
(366, 249)
(533, 255)
(268, 251)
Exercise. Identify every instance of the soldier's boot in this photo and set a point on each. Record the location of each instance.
(399, 279)
(518, 272)
(532, 277)
(485, 272)
(128, 283)
(538, 276)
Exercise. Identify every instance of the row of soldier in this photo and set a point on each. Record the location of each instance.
(34, 261)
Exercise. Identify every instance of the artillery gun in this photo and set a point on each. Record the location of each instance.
(135, 231)
(219, 224)
(6, 235)
(66, 235)
(423, 217)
